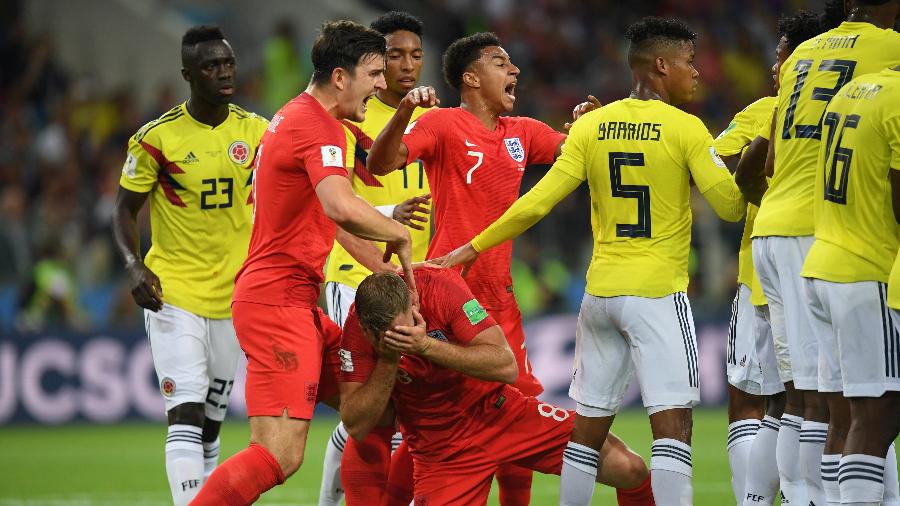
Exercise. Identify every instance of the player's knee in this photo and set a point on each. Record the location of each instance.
(188, 413)
(289, 459)
(636, 471)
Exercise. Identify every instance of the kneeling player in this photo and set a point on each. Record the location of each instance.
(444, 379)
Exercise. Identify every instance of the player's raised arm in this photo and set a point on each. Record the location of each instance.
(388, 153)
(487, 356)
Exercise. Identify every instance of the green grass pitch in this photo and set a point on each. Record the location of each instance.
(123, 464)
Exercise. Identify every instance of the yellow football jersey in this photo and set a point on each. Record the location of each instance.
(639, 157)
(390, 189)
(732, 142)
(857, 235)
(810, 77)
(199, 179)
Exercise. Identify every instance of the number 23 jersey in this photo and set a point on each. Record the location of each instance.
(199, 178)
(475, 174)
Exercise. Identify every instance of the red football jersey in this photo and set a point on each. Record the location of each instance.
(432, 403)
(291, 236)
(475, 176)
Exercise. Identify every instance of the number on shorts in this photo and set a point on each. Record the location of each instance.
(403, 376)
(554, 412)
(222, 388)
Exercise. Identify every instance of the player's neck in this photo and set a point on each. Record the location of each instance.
(206, 112)
(480, 109)
(389, 98)
(878, 17)
(643, 89)
(326, 98)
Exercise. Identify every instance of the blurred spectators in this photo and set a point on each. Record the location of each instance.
(64, 139)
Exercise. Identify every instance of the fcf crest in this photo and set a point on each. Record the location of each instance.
(239, 152)
(516, 151)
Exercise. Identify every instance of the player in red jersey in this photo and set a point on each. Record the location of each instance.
(442, 369)
(301, 190)
(475, 159)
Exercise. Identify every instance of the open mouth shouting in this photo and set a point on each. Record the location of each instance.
(510, 91)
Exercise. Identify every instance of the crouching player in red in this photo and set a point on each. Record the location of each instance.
(443, 370)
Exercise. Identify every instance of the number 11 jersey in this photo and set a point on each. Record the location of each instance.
(639, 157)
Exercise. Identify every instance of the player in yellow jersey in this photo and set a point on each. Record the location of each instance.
(402, 195)
(755, 388)
(783, 231)
(846, 271)
(195, 165)
(639, 156)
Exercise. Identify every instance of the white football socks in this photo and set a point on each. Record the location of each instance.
(740, 441)
(184, 462)
(579, 475)
(331, 491)
(671, 470)
(762, 475)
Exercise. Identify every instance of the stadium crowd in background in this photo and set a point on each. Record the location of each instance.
(61, 154)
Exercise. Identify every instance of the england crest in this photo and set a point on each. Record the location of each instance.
(516, 151)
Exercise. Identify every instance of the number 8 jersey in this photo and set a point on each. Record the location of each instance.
(811, 76)
(199, 178)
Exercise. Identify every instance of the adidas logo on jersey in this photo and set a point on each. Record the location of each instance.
(190, 158)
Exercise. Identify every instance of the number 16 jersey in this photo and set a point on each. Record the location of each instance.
(638, 157)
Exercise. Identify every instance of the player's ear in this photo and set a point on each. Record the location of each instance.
(662, 66)
(339, 78)
(470, 79)
(186, 74)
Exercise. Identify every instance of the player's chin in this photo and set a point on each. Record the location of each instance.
(359, 115)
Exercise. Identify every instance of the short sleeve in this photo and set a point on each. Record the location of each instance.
(140, 171)
(707, 169)
(456, 306)
(572, 161)
(765, 126)
(322, 151)
(357, 354)
(542, 142)
(421, 136)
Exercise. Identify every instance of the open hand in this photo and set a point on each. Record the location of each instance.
(463, 255)
(408, 211)
(583, 108)
(408, 340)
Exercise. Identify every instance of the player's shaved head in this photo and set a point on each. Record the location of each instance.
(194, 36)
(394, 21)
(462, 53)
(652, 37)
(798, 27)
(342, 44)
(379, 299)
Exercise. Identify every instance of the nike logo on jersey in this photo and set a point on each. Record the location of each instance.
(469, 144)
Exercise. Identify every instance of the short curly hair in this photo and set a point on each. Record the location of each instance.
(195, 35)
(799, 27)
(393, 21)
(648, 34)
(462, 53)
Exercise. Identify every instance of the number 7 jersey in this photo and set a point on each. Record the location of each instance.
(811, 76)
(199, 179)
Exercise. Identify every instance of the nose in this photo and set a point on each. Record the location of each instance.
(380, 83)
(406, 63)
(226, 71)
(513, 69)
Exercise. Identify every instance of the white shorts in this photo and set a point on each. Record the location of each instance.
(618, 336)
(778, 262)
(741, 365)
(338, 298)
(195, 358)
(859, 349)
(750, 361)
(768, 353)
